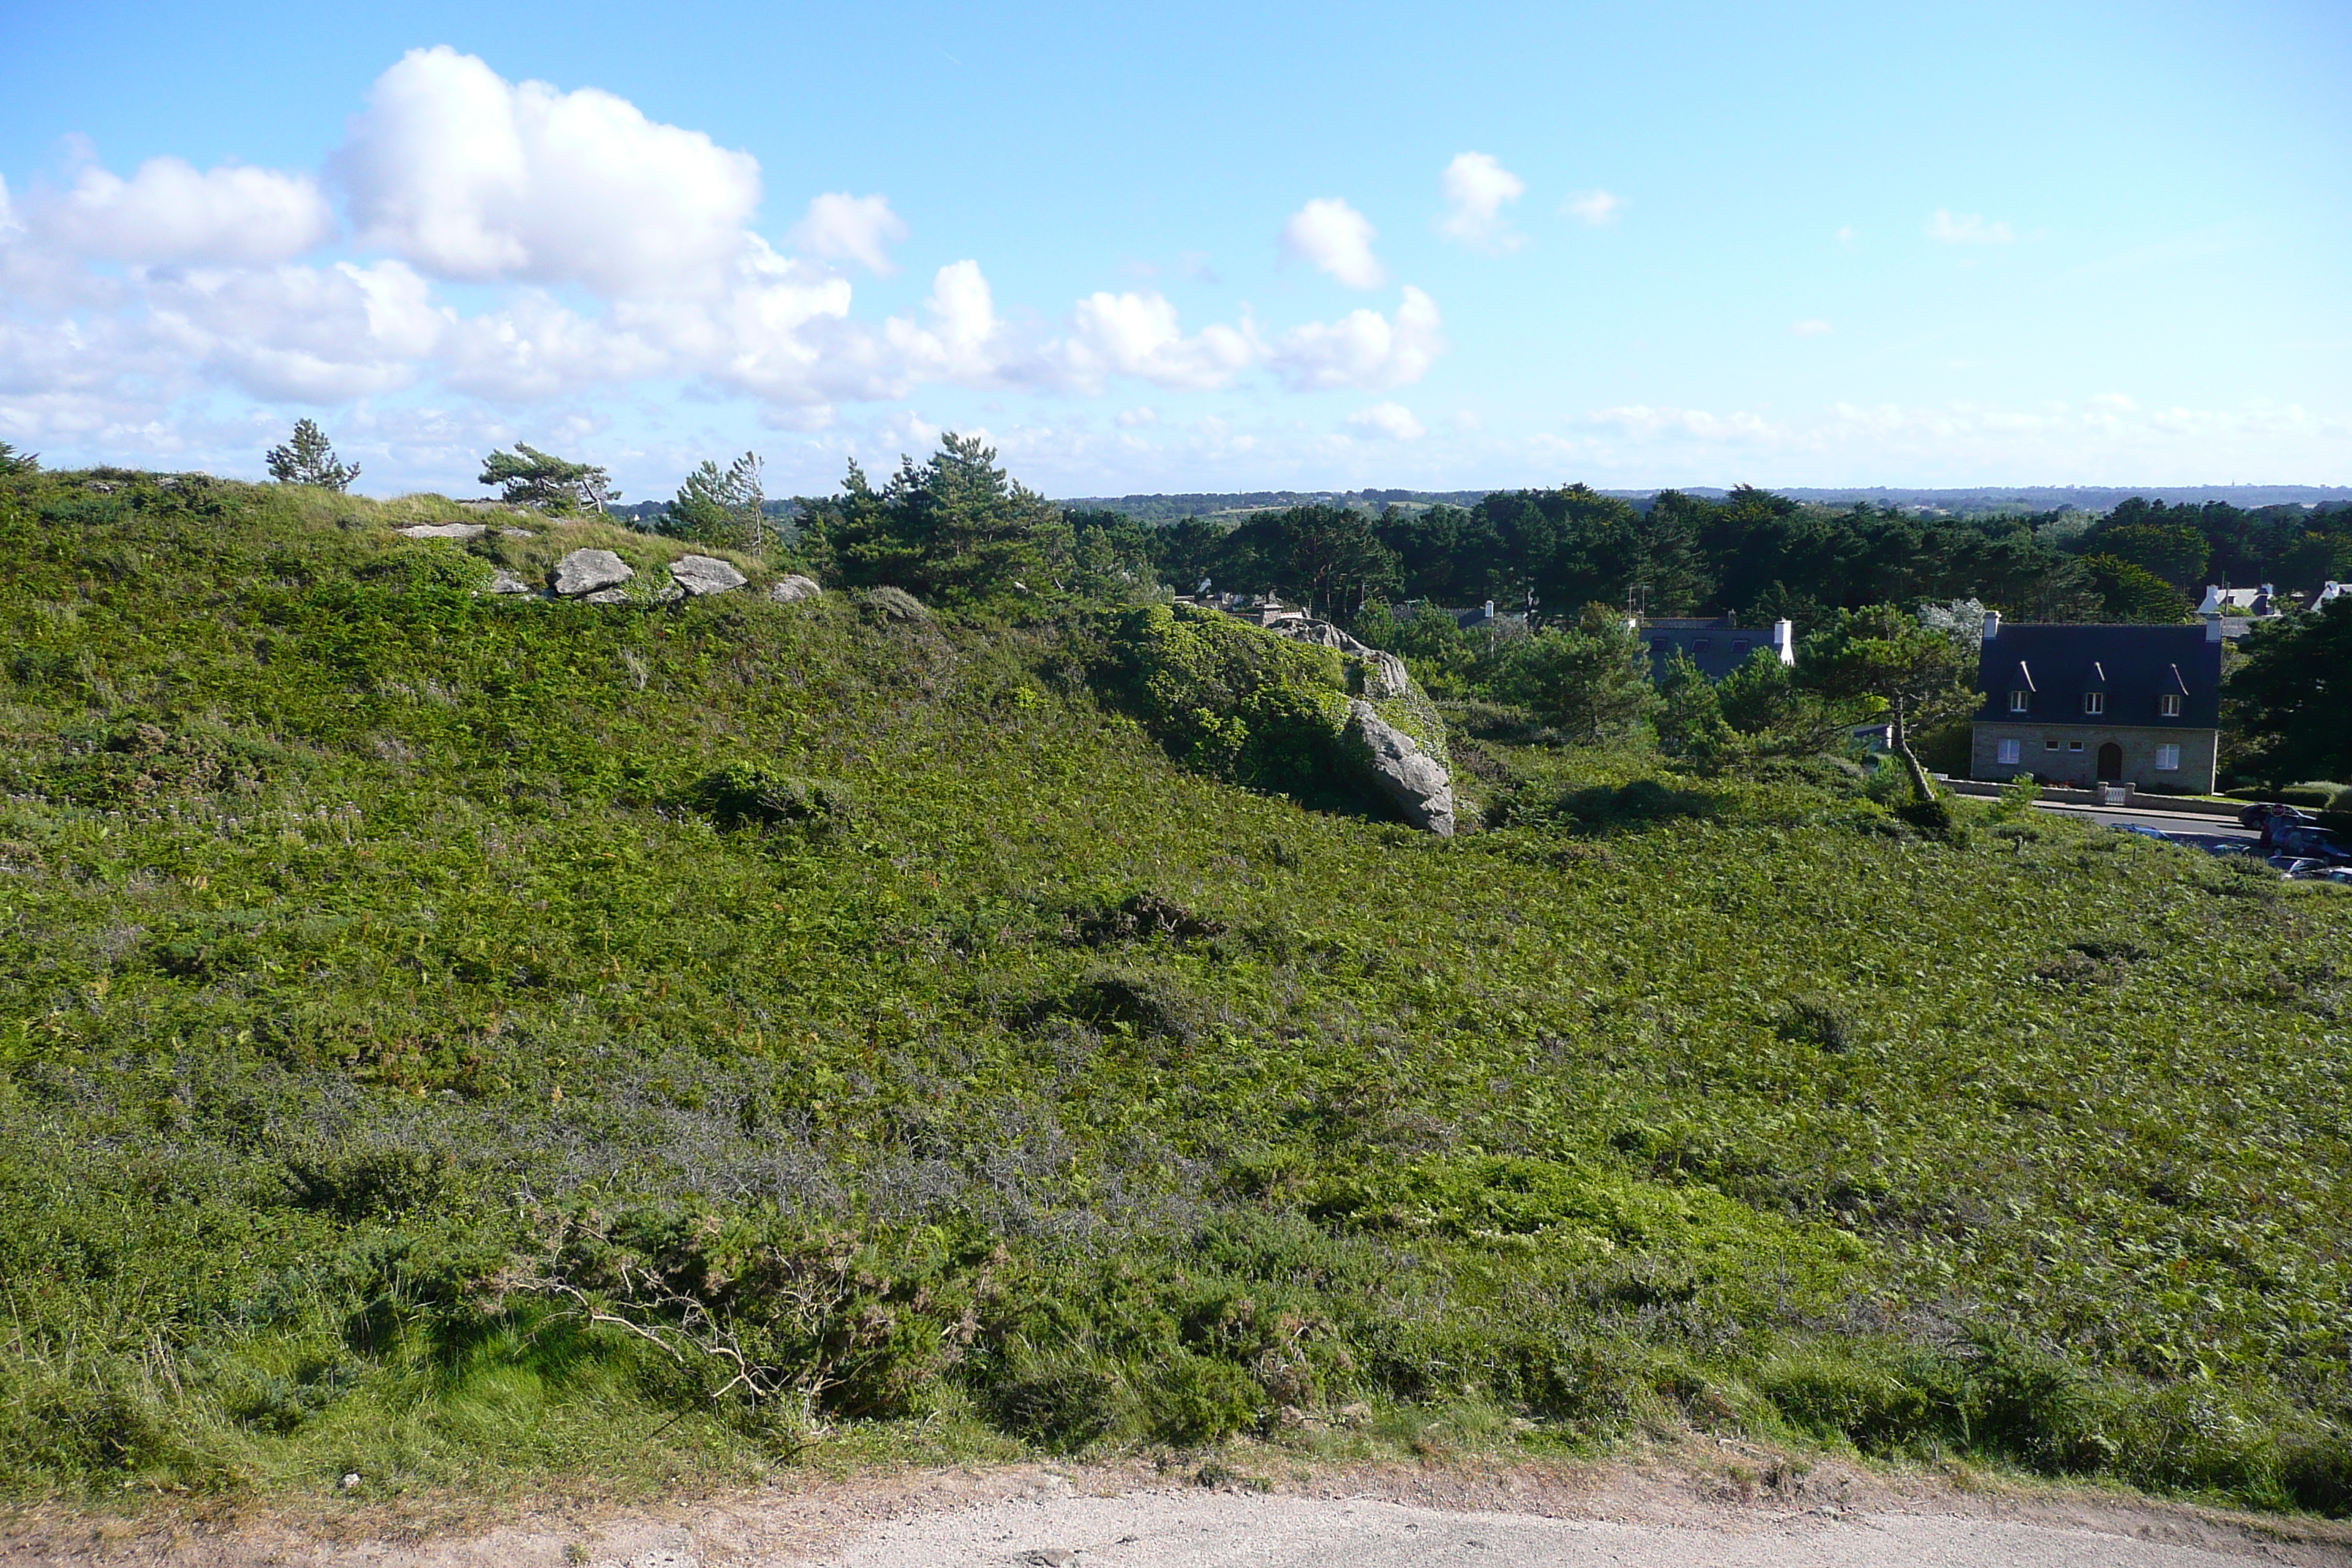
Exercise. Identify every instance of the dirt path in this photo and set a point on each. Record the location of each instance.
(1698, 1506)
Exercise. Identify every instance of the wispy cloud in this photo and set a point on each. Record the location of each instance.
(1476, 189)
(1968, 229)
(1812, 327)
(843, 227)
(1597, 208)
(1392, 421)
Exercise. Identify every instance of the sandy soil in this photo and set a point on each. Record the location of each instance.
(1700, 1505)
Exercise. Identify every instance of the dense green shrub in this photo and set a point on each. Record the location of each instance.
(1235, 702)
(745, 793)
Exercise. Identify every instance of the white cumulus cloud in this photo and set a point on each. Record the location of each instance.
(1139, 335)
(1329, 234)
(1363, 349)
(470, 176)
(843, 227)
(170, 211)
(1392, 420)
(1813, 327)
(300, 334)
(1968, 228)
(1597, 208)
(1476, 189)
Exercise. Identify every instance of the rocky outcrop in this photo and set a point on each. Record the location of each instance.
(703, 574)
(1384, 672)
(607, 596)
(444, 530)
(504, 582)
(793, 587)
(1417, 783)
(589, 574)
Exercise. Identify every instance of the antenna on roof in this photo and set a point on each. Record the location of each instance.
(1637, 601)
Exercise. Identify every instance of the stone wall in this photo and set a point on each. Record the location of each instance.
(2068, 766)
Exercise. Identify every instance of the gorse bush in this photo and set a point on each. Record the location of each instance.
(462, 1039)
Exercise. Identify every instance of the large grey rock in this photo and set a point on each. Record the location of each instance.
(793, 586)
(444, 530)
(1384, 672)
(589, 571)
(504, 582)
(607, 596)
(1406, 774)
(701, 575)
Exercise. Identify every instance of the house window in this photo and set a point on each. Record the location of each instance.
(2049, 745)
(1738, 648)
(2021, 701)
(2008, 751)
(1698, 645)
(2074, 745)
(2095, 703)
(2168, 705)
(2167, 759)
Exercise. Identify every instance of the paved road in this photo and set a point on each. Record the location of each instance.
(2200, 830)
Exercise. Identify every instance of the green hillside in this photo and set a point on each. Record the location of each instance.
(458, 1039)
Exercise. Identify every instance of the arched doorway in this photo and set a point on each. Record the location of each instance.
(2111, 763)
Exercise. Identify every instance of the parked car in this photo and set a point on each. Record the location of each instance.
(2311, 842)
(2264, 811)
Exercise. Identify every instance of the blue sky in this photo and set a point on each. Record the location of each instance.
(1206, 248)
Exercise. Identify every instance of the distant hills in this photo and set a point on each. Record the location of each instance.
(1962, 501)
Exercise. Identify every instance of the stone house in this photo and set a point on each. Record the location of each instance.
(2088, 704)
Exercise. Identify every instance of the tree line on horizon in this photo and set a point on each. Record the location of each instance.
(1752, 554)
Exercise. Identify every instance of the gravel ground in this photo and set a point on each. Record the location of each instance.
(1700, 1507)
(1230, 1531)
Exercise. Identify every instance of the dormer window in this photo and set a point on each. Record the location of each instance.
(2168, 705)
(2020, 703)
(2095, 703)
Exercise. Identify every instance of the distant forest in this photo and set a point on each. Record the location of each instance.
(1750, 553)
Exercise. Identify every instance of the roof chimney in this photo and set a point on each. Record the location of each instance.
(1993, 624)
(2213, 629)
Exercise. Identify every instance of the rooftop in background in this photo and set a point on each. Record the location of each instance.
(1718, 647)
(2051, 669)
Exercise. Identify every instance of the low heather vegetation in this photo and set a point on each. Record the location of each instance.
(451, 1039)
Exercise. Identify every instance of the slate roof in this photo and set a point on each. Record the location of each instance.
(2055, 665)
(1718, 647)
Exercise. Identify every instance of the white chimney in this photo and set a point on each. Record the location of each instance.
(1993, 624)
(1784, 640)
(2213, 629)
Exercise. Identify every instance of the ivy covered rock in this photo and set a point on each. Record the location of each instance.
(1304, 716)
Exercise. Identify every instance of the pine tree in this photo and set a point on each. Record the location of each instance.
(309, 459)
(552, 484)
(721, 506)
